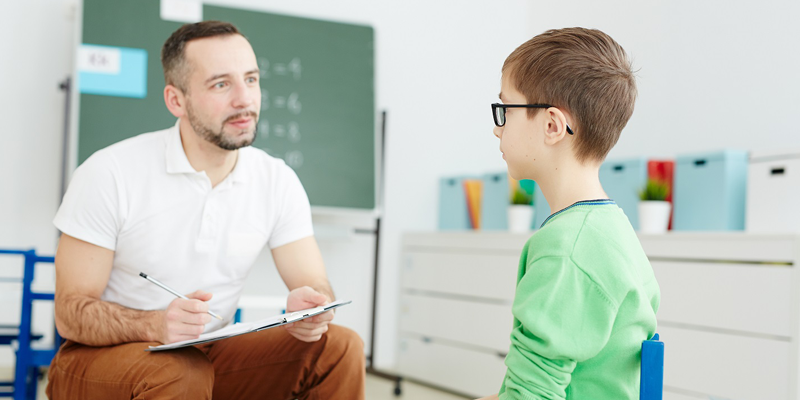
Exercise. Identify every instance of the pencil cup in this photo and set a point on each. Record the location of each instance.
(520, 218)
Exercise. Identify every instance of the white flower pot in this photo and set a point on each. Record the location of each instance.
(654, 216)
(520, 218)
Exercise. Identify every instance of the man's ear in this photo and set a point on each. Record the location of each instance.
(175, 100)
(555, 126)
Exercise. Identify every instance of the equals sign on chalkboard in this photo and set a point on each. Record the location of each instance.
(294, 67)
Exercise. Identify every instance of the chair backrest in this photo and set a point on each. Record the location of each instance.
(28, 359)
(651, 383)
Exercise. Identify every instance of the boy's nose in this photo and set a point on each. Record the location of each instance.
(498, 131)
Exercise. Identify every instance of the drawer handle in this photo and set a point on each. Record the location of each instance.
(699, 162)
(618, 168)
(496, 178)
(778, 171)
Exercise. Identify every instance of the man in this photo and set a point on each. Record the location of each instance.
(193, 205)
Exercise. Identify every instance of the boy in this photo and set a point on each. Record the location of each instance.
(586, 295)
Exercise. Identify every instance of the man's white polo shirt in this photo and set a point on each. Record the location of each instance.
(142, 199)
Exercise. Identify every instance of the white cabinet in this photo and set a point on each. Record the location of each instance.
(455, 316)
(729, 315)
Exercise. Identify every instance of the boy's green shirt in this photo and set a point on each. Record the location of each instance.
(586, 298)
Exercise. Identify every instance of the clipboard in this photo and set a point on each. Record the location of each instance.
(255, 326)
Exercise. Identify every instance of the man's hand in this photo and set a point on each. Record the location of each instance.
(309, 329)
(185, 319)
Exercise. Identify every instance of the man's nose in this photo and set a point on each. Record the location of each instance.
(244, 97)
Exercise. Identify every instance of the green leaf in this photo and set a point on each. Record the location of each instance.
(521, 196)
(654, 190)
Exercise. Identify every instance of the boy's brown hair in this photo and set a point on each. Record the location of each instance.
(583, 71)
(173, 58)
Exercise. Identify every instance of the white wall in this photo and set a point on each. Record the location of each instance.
(712, 75)
(36, 57)
(440, 68)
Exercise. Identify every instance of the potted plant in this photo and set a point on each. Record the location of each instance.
(520, 211)
(654, 210)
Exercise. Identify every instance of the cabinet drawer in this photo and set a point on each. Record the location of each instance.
(461, 370)
(668, 395)
(479, 324)
(726, 366)
(741, 297)
(492, 276)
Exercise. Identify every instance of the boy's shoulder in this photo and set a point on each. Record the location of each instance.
(598, 240)
(558, 234)
(599, 230)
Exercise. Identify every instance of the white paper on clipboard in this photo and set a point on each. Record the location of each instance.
(255, 326)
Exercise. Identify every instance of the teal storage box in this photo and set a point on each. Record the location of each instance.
(541, 208)
(453, 213)
(622, 181)
(495, 201)
(709, 191)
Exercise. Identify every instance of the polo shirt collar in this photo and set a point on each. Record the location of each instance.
(240, 171)
(178, 163)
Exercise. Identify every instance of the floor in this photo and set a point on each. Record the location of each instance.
(383, 389)
(377, 388)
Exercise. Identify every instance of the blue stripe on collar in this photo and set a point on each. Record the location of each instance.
(598, 202)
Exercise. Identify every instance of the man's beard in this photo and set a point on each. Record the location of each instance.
(219, 138)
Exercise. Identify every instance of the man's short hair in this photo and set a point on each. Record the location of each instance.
(583, 71)
(173, 58)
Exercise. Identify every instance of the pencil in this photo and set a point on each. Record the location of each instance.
(167, 288)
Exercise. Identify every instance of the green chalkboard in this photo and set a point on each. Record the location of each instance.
(317, 83)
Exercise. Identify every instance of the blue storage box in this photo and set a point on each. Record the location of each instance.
(622, 181)
(495, 201)
(453, 213)
(709, 191)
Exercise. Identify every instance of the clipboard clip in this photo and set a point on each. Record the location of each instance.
(298, 315)
(295, 316)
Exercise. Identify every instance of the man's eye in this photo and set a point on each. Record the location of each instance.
(219, 85)
(252, 79)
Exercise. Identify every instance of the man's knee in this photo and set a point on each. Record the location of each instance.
(187, 369)
(127, 371)
(345, 343)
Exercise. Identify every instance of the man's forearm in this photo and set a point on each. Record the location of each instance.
(95, 322)
(325, 288)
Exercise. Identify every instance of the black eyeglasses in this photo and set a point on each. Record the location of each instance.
(499, 112)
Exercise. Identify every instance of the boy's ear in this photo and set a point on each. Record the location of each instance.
(555, 126)
(175, 100)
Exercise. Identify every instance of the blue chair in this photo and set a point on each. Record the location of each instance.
(28, 360)
(651, 383)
